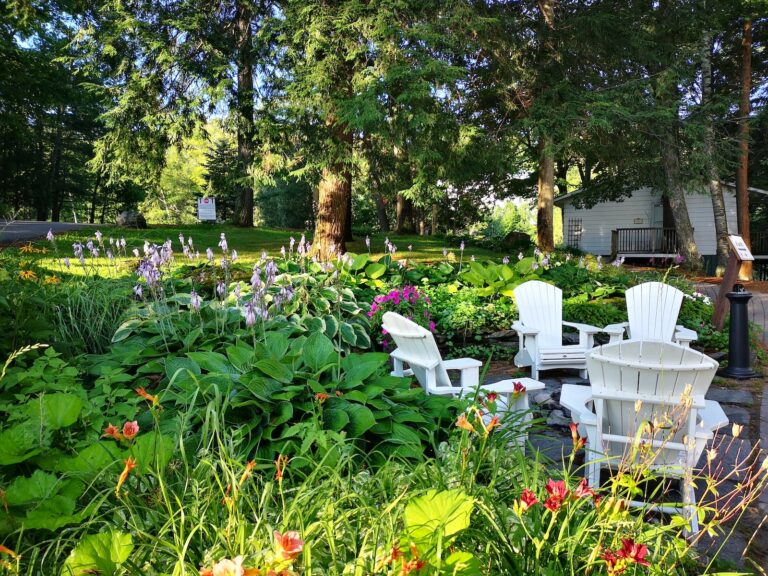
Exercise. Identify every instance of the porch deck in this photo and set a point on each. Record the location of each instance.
(663, 243)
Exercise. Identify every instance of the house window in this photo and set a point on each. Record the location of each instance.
(573, 237)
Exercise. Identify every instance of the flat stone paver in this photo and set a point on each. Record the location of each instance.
(730, 396)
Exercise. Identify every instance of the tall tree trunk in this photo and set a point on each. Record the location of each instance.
(54, 190)
(94, 197)
(742, 174)
(348, 222)
(545, 216)
(404, 212)
(381, 212)
(243, 214)
(333, 194)
(676, 195)
(713, 176)
(433, 231)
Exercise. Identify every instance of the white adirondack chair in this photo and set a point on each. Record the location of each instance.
(633, 383)
(652, 308)
(540, 330)
(417, 348)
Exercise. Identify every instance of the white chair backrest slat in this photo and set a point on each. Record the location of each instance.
(540, 306)
(416, 345)
(653, 308)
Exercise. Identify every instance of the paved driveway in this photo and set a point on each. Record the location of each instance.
(22, 230)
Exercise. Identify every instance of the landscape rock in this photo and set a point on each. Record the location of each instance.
(131, 219)
(557, 418)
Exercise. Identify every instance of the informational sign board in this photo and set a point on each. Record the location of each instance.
(206, 209)
(740, 248)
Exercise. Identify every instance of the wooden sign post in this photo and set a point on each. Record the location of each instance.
(739, 253)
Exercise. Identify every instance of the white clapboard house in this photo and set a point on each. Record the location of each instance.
(641, 225)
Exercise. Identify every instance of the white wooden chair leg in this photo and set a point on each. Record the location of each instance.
(470, 377)
(583, 374)
(535, 371)
(398, 371)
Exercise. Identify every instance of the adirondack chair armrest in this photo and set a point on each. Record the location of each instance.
(426, 363)
(578, 400)
(445, 391)
(523, 330)
(469, 368)
(616, 331)
(684, 336)
(586, 333)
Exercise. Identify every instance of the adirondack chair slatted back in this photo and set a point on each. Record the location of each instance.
(653, 308)
(661, 370)
(416, 345)
(540, 306)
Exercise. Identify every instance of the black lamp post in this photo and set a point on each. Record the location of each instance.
(738, 336)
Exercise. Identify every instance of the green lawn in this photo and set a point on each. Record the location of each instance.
(250, 242)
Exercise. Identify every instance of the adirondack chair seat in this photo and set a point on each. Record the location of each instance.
(653, 308)
(540, 331)
(637, 383)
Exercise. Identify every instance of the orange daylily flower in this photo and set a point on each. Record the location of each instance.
(280, 464)
(289, 545)
(247, 472)
(8, 551)
(578, 441)
(463, 423)
(154, 400)
(321, 397)
(27, 248)
(491, 425)
(130, 464)
(112, 431)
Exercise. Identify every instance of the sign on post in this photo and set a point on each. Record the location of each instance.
(206, 209)
(739, 253)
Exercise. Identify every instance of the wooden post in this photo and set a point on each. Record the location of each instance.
(739, 253)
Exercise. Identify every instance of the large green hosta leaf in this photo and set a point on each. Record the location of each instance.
(55, 411)
(99, 554)
(447, 513)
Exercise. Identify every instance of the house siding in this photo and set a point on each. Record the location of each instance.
(637, 211)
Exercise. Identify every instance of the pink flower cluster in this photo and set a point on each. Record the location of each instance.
(408, 301)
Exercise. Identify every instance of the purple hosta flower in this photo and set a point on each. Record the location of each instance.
(368, 242)
(185, 250)
(111, 241)
(138, 291)
(194, 300)
(270, 272)
(445, 252)
(90, 246)
(49, 236)
(197, 255)
(250, 313)
(392, 248)
(410, 247)
(191, 244)
(224, 263)
(136, 252)
(167, 251)
(534, 266)
(619, 261)
(679, 259)
(121, 243)
(221, 289)
(109, 255)
(234, 255)
(308, 247)
(154, 256)
(282, 251)
(66, 262)
(209, 254)
(285, 295)
(519, 255)
(599, 262)
(147, 248)
(505, 260)
(402, 263)
(256, 278)
(95, 252)
(461, 246)
(149, 272)
(568, 257)
(98, 235)
(545, 260)
(236, 291)
(291, 242)
(77, 248)
(332, 248)
(263, 254)
(181, 238)
(536, 252)
(223, 243)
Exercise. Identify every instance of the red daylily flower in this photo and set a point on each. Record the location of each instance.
(633, 552)
(583, 490)
(557, 494)
(112, 431)
(527, 499)
(321, 397)
(518, 388)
